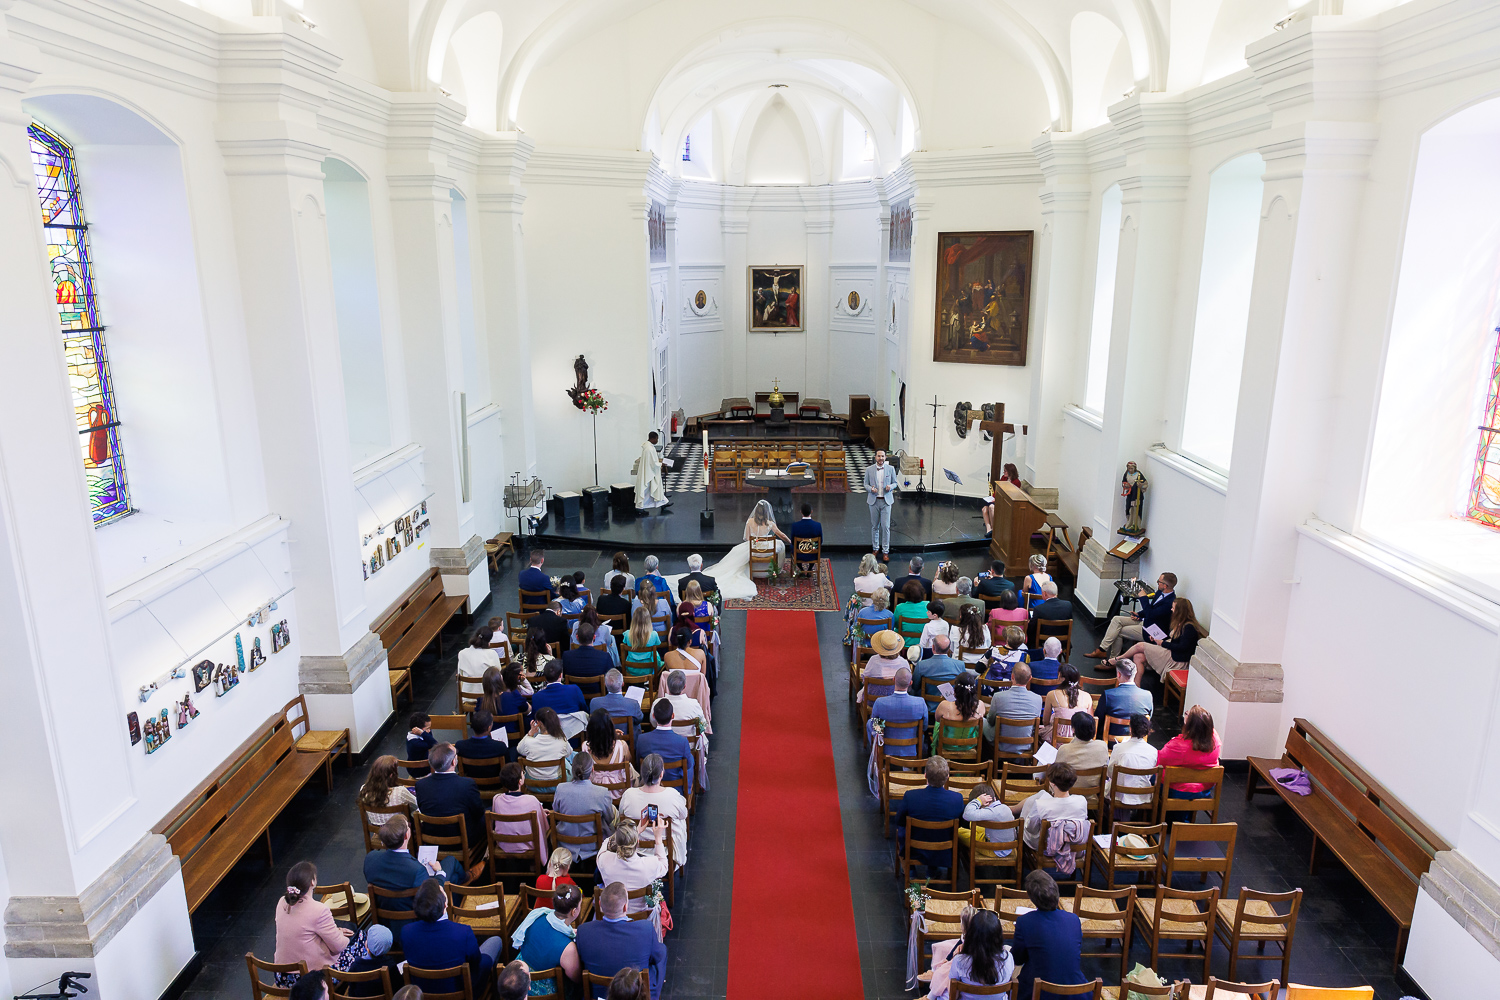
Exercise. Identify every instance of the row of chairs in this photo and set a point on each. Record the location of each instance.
(826, 461)
(1038, 630)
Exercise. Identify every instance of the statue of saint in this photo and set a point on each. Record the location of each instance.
(1133, 488)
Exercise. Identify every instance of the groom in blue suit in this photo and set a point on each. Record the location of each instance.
(880, 494)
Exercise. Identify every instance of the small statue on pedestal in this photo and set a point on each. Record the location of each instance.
(1133, 488)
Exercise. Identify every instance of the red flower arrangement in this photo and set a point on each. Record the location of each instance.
(591, 400)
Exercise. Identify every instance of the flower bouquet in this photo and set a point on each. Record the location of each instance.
(916, 896)
(592, 400)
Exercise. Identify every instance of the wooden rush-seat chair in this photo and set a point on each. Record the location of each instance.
(1174, 688)
(1018, 782)
(1175, 862)
(957, 741)
(994, 853)
(453, 844)
(503, 849)
(360, 985)
(1016, 749)
(1043, 629)
(762, 554)
(941, 920)
(372, 828)
(1172, 807)
(726, 467)
(533, 601)
(1260, 918)
(1228, 991)
(259, 987)
(597, 986)
(1106, 916)
(487, 910)
(1115, 804)
(833, 469)
(531, 896)
(385, 913)
(1178, 915)
(344, 902)
(1142, 862)
(423, 978)
(543, 788)
(934, 838)
(809, 554)
(1094, 989)
(1035, 858)
(555, 974)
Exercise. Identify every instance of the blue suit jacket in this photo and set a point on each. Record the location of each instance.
(1047, 946)
(1123, 701)
(443, 944)
(452, 795)
(607, 946)
(933, 805)
(884, 475)
(561, 698)
(804, 528)
(532, 578)
(669, 746)
(587, 661)
(483, 748)
(397, 871)
(658, 583)
(1157, 610)
(417, 748)
(905, 716)
(616, 705)
(516, 703)
(1044, 669)
(937, 669)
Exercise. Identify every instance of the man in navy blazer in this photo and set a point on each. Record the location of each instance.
(481, 746)
(1048, 942)
(1126, 630)
(430, 942)
(914, 574)
(806, 528)
(534, 579)
(445, 793)
(561, 698)
(616, 942)
(934, 804)
(615, 702)
(664, 742)
(586, 659)
(1052, 608)
(395, 869)
(1125, 699)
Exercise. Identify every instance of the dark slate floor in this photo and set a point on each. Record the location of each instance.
(1342, 939)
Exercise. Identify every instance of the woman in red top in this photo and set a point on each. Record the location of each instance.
(1196, 746)
(558, 865)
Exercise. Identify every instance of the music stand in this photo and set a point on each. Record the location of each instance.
(953, 520)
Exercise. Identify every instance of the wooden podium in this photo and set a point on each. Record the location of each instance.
(1017, 518)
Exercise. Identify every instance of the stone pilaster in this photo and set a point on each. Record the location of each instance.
(1244, 697)
(1234, 680)
(80, 926)
(341, 674)
(1470, 897)
(464, 571)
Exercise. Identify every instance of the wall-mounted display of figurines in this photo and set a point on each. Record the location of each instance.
(257, 657)
(186, 711)
(134, 722)
(377, 560)
(225, 679)
(203, 674)
(281, 636)
(158, 731)
(392, 547)
(239, 652)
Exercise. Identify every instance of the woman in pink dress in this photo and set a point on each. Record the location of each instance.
(1196, 746)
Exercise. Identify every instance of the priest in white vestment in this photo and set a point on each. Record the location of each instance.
(649, 490)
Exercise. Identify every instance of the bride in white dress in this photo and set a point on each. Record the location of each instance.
(732, 573)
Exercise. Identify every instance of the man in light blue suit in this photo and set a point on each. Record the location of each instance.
(904, 715)
(880, 494)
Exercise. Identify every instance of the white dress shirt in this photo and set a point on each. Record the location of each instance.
(1133, 753)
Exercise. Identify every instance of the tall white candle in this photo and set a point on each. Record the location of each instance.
(705, 458)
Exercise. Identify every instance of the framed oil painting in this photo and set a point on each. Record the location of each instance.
(776, 299)
(983, 298)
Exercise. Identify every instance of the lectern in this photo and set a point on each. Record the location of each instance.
(1016, 519)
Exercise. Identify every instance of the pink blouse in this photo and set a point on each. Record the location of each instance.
(506, 803)
(1179, 752)
(307, 933)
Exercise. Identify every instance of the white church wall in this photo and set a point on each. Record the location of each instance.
(1187, 505)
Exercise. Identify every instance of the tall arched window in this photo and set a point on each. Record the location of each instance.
(83, 334)
(1484, 491)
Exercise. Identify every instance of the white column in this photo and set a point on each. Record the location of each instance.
(735, 224)
(817, 292)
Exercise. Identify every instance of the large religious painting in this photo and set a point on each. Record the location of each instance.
(656, 230)
(900, 241)
(983, 298)
(776, 299)
(1484, 489)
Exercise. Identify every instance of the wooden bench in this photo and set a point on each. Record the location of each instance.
(408, 626)
(1377, 838)
(328, 742)
(218, 823)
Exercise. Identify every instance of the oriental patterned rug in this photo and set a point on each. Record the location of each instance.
(805, 593)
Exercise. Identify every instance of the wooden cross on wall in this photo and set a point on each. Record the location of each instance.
(997, 428)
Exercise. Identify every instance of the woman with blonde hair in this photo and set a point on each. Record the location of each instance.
(656, 605)
(870, 577)
(1031, 587)
(559, 864)
(1175, 650)
(382, 789)
(621, 859)
(641, 638)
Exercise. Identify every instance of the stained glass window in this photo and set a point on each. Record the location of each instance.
(83, 334)
(1484, 492)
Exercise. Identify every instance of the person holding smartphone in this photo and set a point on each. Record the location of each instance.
(623, 859)
(637, 803)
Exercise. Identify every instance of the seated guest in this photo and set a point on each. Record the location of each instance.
(615, 942)
(1054, 802)
(1196, 746)
(986, 806)
(805, 529)
(1010, 611)
(566, 700)
(621, 860)
(973, 636)
(995, 582)
(669, 804)
(662, 741)
(1007, 475)
(480, 746)
(515, 699)
(939, 668)
(904, 715)
(1052, 608)
(477, 657)
(1137, 754)
(982, 958)
(914, 575)
(532, 578)
(1174, 651)
(313, 986)
(544, 940)
(613, 701)
(945, 583)
(434, 942)
(572, 602)
(419, 738)
(583, 797)
(307, 932)
(1015, 702)
(552, 623)
(603, 639)
(640, 658)
(525, 816)
(1031, 586)
(394, 869)
(513, 982)
(1126, 698)
(584, 593)
(545, 741)
(964, 598)
(876, 617)
(1083, 752)
(586, 659)
(961, 712)
(706, 584)
(559, 864)
(1046, 668)
(936, 803)
(609, 754)
(447, 793)
(1004, 658)
(685, 708)
(936, 625)
(871, 576)
(880, 669)
(382, 790)
(1063, 702)
(615, 602)
(914, 608)
(535, 652)
(619, 569)
(683, 656)
(1130, 629)
(1048, 941)
(657, 581)
(627, 985)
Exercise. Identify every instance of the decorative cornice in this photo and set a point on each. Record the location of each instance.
(588, 167)
(1422, 45)
(973, 167)
(1318, 68)
(1236, 681)
(1151, 128)
(80, 926)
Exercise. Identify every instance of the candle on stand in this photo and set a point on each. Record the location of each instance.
(705, 458)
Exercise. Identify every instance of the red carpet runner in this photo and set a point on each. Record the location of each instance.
(791, 931)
